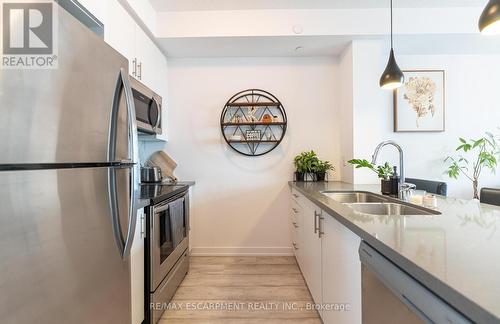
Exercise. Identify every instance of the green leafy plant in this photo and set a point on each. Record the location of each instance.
(306, 162)
(324, 166)
(484, 151)
(384, 171)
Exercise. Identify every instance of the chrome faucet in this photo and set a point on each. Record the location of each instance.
(403, 188)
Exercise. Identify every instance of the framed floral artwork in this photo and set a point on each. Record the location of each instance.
(419, 102)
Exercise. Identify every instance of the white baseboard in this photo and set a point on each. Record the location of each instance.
(241, 251)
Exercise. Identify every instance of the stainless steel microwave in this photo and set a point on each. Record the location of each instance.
(148, 107)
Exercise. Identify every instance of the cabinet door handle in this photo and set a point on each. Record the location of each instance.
(320, 227)
(316, 226)
(295, 246)
(295, 211)
(295, 224)
(296, 196)
(139, 69)
(134, 67)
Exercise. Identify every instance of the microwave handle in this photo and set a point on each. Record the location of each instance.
(158, 109)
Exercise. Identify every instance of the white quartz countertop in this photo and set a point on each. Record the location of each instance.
(455, 254)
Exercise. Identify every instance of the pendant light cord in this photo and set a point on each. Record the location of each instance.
(391, 24)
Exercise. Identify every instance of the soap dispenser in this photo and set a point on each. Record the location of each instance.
(395, 183)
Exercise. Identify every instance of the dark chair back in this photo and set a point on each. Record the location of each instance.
(490, 196)
(435, 187)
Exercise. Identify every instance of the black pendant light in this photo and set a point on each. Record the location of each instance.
(489, 23)
(392, 77)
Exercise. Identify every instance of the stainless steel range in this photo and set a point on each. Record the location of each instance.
(167, 242)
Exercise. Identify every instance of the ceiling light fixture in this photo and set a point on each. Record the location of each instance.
(489, 22)
(392, 77)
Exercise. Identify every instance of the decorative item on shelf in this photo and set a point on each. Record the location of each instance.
(478, 154)
(310, 168)
(253, 135)
(258, 117)
(384, 172)
(237, 119)
(266, 118)
(235, 137)
(251, 114)
(419, 103)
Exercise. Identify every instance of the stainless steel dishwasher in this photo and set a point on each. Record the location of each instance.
(391, 296)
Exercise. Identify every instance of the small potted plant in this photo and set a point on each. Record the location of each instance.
(305, 164)
(321, 170)
(384, 172)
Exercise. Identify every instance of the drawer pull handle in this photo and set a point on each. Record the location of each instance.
(296, 196)
(316, 226)
(295, 246)
(295, 211)
(295, 225)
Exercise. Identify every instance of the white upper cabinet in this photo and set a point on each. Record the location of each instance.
(96, 8)
(147, 63)
(119, 32)
(145, 12)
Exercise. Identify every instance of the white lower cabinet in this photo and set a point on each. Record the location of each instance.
(311, 249)
(341, 273)
(137, 270)
(327, 254)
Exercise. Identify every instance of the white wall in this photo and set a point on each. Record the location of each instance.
(242, 203)
(345, 80)
(471, 109)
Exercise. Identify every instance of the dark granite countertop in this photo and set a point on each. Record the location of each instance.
(456, 254)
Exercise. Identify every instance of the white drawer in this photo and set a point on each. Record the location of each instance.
(297, 197)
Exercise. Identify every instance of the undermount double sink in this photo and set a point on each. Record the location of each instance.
(373, 204)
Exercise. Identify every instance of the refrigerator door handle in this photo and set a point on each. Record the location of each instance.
(111, 155)
(133, 152)
(113, 204)
(124, 244)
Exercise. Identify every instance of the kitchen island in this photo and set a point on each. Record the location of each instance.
(455, 254)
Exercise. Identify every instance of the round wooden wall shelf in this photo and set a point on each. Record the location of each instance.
(253, 122)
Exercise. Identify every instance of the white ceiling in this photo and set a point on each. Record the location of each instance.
(323, 45)
(189, 5)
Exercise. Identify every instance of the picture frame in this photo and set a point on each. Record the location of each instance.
(419, 104)
(253, 135)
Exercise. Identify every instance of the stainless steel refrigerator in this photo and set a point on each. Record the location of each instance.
(68, 185)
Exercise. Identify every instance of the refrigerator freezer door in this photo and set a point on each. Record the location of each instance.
(59, 262)
(63, 115)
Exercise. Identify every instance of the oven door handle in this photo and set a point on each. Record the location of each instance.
(160, 209)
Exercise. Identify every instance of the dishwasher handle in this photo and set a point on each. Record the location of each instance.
(429, 307)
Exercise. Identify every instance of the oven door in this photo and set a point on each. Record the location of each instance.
(169, 237)
(148, 112)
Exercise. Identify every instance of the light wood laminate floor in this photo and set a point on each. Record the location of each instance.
(242, 290)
